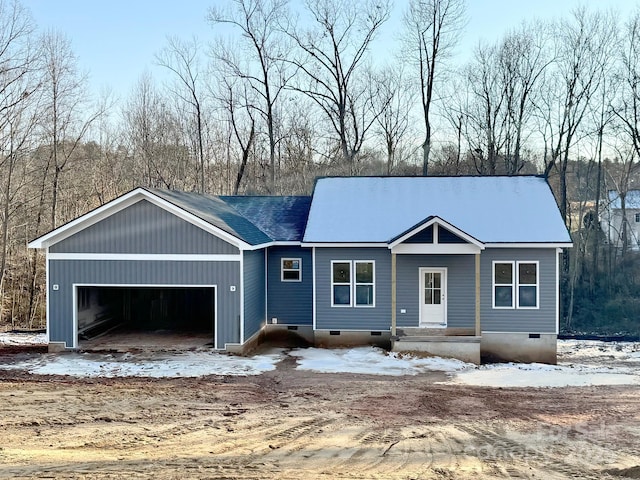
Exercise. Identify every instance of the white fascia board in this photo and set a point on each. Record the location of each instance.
(438, 221)
(272, 244)
(176, 257)
(436, 249)
(123, 202)
(529, 245)
(343, 245)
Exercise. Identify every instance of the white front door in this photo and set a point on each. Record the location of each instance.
(433, 297)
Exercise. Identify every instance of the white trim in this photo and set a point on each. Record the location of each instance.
(266, 285)
(436, 248)
(74, 299)
(355, 284)
(344, 245)
(123, 202)
(528, 332)
(350, 285)
(557, 290)
(147, 256)
(437, 221)
(528, 245)
(537, 284)
(354, 330)
(512, 284)
(241, 293)
(515, 284)
(299, 269)
(48, 294)
(313, 295)
(445, 289)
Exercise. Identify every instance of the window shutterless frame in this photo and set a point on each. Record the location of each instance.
(516, 285)
(341, 295)
(291, 270)
(353, 283)
(503, 284)
(528, 285)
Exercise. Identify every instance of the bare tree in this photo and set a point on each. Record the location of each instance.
(331, 56)
(66, 120)
(393, 100)
(584, 46)
(626, 106)
(19, 82)
(432, 29)
(181, 58)
(258, 22)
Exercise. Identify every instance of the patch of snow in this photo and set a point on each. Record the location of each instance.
(594, 349)
(541, 375)
(186, 364)
(371, 361)
(12, 338)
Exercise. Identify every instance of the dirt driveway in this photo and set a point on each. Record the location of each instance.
(294, 424)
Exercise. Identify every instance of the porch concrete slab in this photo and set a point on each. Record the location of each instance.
(466, 349)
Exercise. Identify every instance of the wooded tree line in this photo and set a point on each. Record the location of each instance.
(281, 93)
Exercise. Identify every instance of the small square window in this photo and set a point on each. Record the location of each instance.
(291, 270)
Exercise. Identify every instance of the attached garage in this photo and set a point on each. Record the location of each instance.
(142, 309)
(150, 261)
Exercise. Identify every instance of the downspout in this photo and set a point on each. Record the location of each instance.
(478, 331)
(393, 294)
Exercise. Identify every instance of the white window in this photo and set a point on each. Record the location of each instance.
(515, 285)
(527, 284)
(291, 270)
(365, 291)
(503, 285)
(349, 289)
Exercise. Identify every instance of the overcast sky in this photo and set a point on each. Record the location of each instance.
(116, 40)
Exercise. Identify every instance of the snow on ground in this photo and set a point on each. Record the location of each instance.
(371, 361)
(573, 349)
(12, 338)
(580, 363)
(540, 375)
(157, 365)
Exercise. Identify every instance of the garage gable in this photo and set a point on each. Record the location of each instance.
(143, 228)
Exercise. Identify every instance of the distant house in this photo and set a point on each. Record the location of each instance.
(452, 266)
(611, 219)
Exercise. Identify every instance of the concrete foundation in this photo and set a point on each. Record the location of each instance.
(57, 347)
(341, 338)
(520, 347)
(466, 349)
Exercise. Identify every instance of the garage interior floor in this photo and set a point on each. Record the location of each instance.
(147, 341)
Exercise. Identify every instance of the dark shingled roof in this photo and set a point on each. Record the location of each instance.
(282, 218)
(255, 220)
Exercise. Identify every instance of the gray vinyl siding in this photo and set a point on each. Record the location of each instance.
(254, 292)
(353, 318)
(144, 228)
(541, 320)
(460, 288)
(290, 302)
(65, 273)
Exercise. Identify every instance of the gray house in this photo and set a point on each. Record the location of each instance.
(453, 266)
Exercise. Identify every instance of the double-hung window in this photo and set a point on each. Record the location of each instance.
(291, 270)
(352, 283)
(515, 284)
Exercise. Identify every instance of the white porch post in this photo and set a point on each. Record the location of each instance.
(393, 294)
(478, 295)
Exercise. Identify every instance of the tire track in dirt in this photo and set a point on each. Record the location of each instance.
(496, 448)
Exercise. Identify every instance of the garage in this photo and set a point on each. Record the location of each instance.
(153, 314)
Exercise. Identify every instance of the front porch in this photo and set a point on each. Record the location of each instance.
(460, 343)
